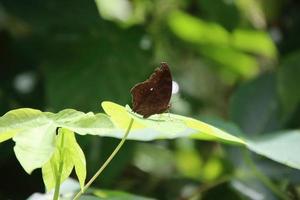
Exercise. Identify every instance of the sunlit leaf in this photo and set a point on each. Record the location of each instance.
(82, 123)
(162, 126)
(68, 154)
(34, 132)
(34, 146)
(15, 120)
(62, 157)
(79, 163)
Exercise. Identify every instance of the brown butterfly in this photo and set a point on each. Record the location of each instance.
(153, 95)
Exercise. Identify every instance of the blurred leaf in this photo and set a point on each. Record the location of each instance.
(119, 10)
(96, 53)
(69, 154)
(227, 49)
(88, 197)
(222, 12)
(252, 10)
(162, 126)
(232, 60)
(282, 147)
(251, 188)
(277, 171)
(212, 169)
(187, 153)
(146, 159)
(125, 12)
(252, 41)
(100, 62)
(254, 106)
(195, 30)
(39, 18)
(117, 195)
(288, 82)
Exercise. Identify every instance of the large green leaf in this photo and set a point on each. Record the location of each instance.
(34, 146)
(82, 123)
(283, 147)
(15, 120)
(255, 106)
(34, 131)
(162, 126)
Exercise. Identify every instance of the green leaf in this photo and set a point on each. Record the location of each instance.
(79, 162)
(282, 147)
(34, 131)
(34, 146)
(82, 123)
(68, 154)
(255, 106)
(252, 41)
(93, 48)
(61, 156)
(118, 195)
(288, 82)
(127, 13)
(146, 159)
(198, 31)
(233, 60)
(195, 30)
(162, 126)
(15, 120)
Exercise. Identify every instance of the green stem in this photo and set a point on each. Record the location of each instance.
(60, 168)
(263, 178)
(112, 155)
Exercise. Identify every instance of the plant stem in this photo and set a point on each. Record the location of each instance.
(263, 178)
(60, 168)
(109, 159)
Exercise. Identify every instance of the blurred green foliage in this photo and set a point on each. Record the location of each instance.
(237, 64)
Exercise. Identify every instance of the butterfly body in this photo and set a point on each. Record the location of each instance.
(153, 95)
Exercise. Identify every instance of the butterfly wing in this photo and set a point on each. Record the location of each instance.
(153, 95)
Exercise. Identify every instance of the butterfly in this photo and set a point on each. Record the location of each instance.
(153, 95)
